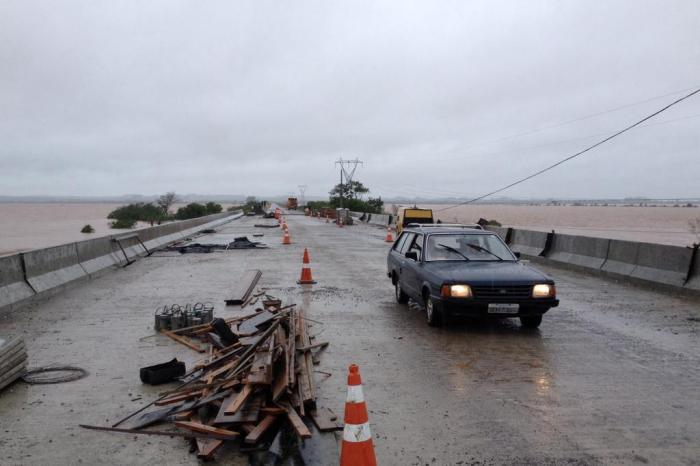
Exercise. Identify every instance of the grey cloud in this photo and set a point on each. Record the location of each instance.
(100, 98)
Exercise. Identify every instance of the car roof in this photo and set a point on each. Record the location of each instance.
(464, 231)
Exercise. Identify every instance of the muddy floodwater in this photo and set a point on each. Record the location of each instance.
(25, 226)
(665, 225)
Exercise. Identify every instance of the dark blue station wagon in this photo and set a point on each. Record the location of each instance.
(453, 270)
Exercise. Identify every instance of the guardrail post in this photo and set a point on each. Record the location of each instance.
(509, 234)
(24, 272)
(547, 244)
(693, 259)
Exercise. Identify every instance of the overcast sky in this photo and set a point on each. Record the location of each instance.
(114, 97)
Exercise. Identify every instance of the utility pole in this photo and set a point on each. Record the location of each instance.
(347, 171)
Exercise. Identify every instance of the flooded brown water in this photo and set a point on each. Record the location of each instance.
(665, 225)
(25, 226)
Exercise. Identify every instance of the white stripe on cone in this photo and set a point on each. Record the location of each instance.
(355, 394)
(356, 432)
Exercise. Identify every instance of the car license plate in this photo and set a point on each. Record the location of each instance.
(503, 308)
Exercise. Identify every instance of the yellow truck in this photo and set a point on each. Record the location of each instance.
(408, 215)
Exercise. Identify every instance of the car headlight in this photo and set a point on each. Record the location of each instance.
(544, 291)
(456, 291)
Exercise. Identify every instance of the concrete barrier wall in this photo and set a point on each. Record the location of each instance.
(579, 250)
(622, 257)
(98, 254)
(380, 219)
(660, 263)
(13, 288)
(500, 231)
(52, 267)
(653, 263)
(530, 243)
(38, 272)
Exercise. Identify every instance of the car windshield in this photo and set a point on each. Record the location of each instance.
(467, 247)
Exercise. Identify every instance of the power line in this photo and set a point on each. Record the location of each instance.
(603, 141)
(405, 190)
(567, 122)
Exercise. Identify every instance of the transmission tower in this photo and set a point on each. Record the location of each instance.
(302, 191)
(345, 169)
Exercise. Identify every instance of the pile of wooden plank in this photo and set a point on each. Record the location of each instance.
(245, 391)
(13, 360)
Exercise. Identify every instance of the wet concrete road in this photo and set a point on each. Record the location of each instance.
(611, 377)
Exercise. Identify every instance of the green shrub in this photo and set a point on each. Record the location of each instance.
(87, 229)
(140, 211)
(213, 208)
(123, 223)
(191, 210)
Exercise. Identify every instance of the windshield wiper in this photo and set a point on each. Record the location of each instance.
(482, 249)
(456, 251)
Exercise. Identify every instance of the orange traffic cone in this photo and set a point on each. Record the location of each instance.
(306, 278)
(284, 226)
(278, 213)
(389, 238)
(357, 448)
(286, 239)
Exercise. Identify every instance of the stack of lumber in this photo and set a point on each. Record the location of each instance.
(262, 380)
(13, 360)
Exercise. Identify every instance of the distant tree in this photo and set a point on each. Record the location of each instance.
(123, 223)
(140, 211)
(375, 205)
(349, 195)
(316, 205)
(87, 229)
(347, 191)
(191, 210)
(166, 201)
(213, 208)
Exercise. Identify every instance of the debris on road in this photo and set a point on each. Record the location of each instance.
(162, 373)
(241, 242)
(245, 287)
(174, 316)
(13, 360)
(256, 380)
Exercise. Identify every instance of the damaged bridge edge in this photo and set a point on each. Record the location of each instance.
(41, 273)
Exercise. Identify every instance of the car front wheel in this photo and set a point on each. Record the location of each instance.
(432, 313)
(530, 321)
(401, 297)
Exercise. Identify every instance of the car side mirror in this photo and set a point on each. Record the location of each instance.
(517, 254)
(412, 255)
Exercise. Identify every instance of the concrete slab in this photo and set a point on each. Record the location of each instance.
(610, 377)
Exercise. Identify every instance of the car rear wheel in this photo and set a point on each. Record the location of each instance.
(530, 321)
(401, 297)
(432, 313)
